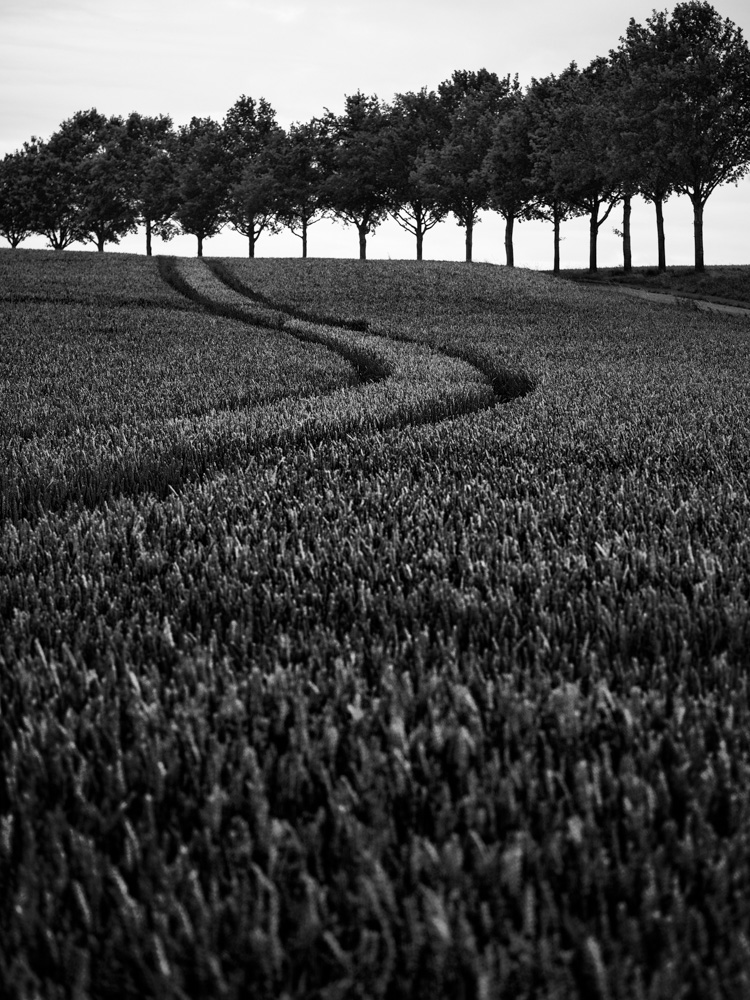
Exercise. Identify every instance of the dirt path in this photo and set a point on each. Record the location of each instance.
(704, 305)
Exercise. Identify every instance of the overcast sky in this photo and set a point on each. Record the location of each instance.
(195, 57)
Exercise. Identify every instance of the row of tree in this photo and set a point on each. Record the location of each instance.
(666, 112)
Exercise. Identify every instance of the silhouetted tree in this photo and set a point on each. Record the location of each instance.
(202, 179)
(104, 195)
(689, 87)
(254, 200)
(149, 145)
(509, 163)
(452, 175)
(61, 169)
(354, 182)
(249, 129)
(297, 166)
(641, 149)
(16, 222)
(415, 127)
(543, 98)
(575, 149)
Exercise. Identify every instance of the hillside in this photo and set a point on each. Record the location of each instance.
(370, 629)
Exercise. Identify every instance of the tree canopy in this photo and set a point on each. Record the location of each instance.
(202, 179)
(354, 178)
(689, 78)
(415, 129)
(665, 112)
(16, 194)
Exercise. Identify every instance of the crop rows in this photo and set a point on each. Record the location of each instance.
(419, 381)
(114, 279)
(436, 709)
(166, 441)
(144, 364)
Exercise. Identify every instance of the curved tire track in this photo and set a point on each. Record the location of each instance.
(507, 383)
(403, 382)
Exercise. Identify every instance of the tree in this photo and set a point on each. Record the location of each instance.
(78, 182)
(453, 176)
(58, 177)
(576, 149)
(249, 129)
(542, 100)
(690, 78)
(414, 130)
(508, 166)
(462, 83)
(106, 206)
(354, 182)
(248, 126)
(53, 208)
(202, 179)
(149, 148)
(296, 159)
(641, 148)
(254, 201)
(16, 222)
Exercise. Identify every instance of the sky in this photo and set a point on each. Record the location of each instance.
(194, 57)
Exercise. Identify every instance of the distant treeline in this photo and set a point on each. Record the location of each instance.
(668, 111)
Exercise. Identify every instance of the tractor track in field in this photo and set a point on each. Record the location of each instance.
(378, 356)
(402, 383)
(507, 383)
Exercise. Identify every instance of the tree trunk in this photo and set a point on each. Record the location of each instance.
(627, 253)
(100, 244)
(251, 245)
(593, 233)
(659, 205)
(556, 228)
(362, 242)
(200, 246)
(420, 241)
(304, 237)
(148, 237)
(700, 264)
(509, 259)
(469, 239)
